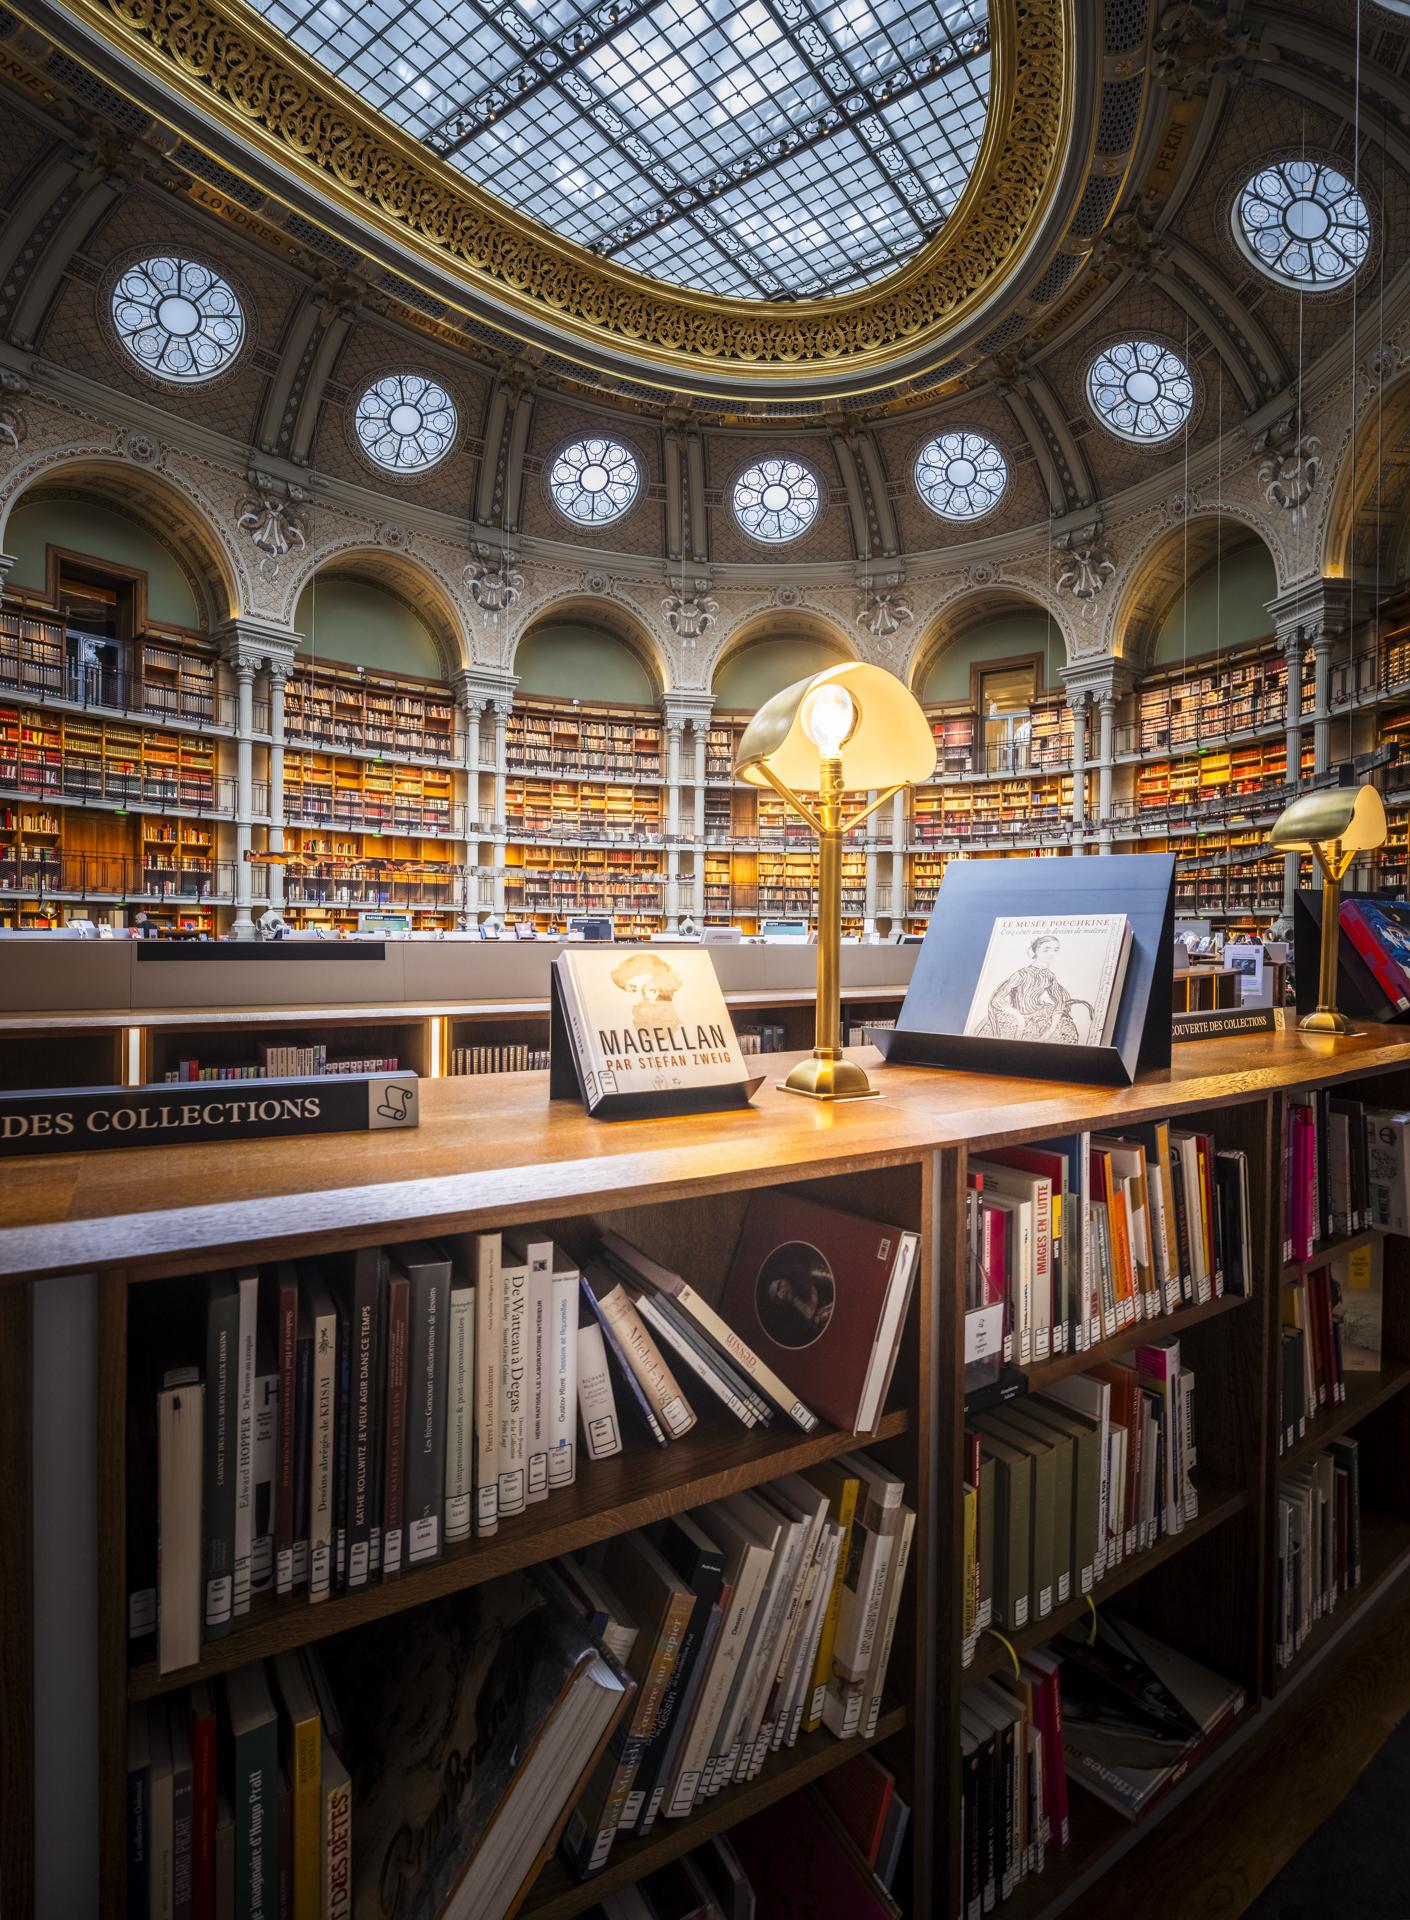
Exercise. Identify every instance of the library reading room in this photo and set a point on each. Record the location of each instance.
(777, 631)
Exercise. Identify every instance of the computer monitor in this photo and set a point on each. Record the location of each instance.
(793, 932)
(590, 929)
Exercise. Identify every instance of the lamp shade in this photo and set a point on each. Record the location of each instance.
(889, 744)
(1353, 818)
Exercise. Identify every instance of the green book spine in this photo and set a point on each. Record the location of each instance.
(255, 1779)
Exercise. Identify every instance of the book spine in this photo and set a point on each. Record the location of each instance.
(673, 1337)
(342, 1444)
(203, 1801)
(425, 1421)
(303, 1446)
(460, 1415)
(394, 1446)
(844, 1512)
(139, 1815)
(308, 1820)
(597, 1405)
(625, 1370)
(488, 1305)
(744, 1356)
(255, 1783)
(182, 1832)
(643, 1356)
(321, 1439)
(563, 1397)
(540, 1285)
(337, 1880)
(245, 1440)
(514, 1388)
(180, 1421)
(266, 1455)
(222, 1345)
(882, 1656)
(363, 1331)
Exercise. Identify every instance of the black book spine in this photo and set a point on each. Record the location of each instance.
(342, 1428)
(973, 1837)
(704, 1573)
(303, 1439)
(379, 1426)
(360, 1307)
(426, 1411)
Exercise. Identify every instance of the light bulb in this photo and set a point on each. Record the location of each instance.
(828, 717)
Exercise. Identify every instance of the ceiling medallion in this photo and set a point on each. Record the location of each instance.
(236, 70)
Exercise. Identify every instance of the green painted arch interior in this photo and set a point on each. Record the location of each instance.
(575, 660)
(1224, 605)
(1007, 636)
(761, 667)
(362, 625)
(106, 534)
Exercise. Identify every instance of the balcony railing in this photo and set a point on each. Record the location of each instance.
(94, 876)
(106, 690)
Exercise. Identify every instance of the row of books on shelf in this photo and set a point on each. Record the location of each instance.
(1110, 1708)
(354, 1416)
(280, 1062)
(514, 1056)
(1331, 1327)
(1346, 1169)
(762, 1036)
(1062, 1487)
(1079, 1238)
(600, 1693)
(1318, 1543)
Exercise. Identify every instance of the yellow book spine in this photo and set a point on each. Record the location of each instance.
(971, 1561)
(844, 1512)
(308, 1820)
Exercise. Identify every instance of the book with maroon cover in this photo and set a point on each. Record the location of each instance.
(1380, 933)
(859, 1794)
(1042, 1667)
(994, 1239)
(394, 1433)
(203, 1796)
(809, 1289)
(805, 1867)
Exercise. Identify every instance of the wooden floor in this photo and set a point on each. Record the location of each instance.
(1234, 1835)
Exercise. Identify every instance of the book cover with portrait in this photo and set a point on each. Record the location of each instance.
(821, 1295)
(1052, 978)
(647, 1022)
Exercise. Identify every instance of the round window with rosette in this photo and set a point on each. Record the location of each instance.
(1141, 390)
(1303, 224)
(405, 422)
(777, 499)
(178, 319)
(594, 481)
(961, 476)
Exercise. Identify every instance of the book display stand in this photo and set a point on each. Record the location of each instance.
(973, 894)
(565, 1080)
(1359, 993)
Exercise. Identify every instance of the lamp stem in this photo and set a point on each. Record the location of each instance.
(1331, 940)
(828, 1028)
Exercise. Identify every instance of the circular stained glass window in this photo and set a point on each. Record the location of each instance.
(178, 319)
(776, 500)
(1141, 390)
(1303, 224)
(961, 476)
(405, 422)
(594, 481)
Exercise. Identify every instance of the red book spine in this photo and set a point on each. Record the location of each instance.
(288, 1335)
(203, 1816)
(394, 1485)
(1306, 1184)
(1054, 1771)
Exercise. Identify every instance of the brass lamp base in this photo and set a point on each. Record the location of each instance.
(1326, 1020)
(829, 1076)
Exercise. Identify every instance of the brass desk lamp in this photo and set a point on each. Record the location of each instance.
(1333, 826)
(854, 728)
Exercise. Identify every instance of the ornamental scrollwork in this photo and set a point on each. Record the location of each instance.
(14, 427)
(1085, 571)
(883, 613)
(494, 584)
(1289, 478)
(275, 527)
(689, 614)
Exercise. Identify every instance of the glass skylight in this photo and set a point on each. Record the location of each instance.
(776, 500)
(961, 475)
(764, 148)
(178, 319)
(594, 481)
(405, 422)
(1303, 223)
(1141, 390)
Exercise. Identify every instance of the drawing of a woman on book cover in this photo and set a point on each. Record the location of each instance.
(1033, 1004)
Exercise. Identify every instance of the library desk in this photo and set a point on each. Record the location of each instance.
(78, 1232)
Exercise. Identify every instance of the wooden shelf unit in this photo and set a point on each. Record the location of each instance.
(595, 741)
(536, 809)
(178, 680)
(493, 1152)
(1180, 707)
(31, 650)
(335, 707)
(71, 757)
(1020, 806)
(546, 885)
(367, 795)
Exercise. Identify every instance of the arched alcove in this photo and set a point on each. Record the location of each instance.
(576, 656)
(987, 630)
(1224, 605)
(770, 653)
(362, 623)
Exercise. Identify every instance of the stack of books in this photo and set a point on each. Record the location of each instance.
(1319, 1543)
(1346, 1168)
(282, 1062)
(1078, 1239)
(508, 1057)
(1063, 1486)
(1331, 1327)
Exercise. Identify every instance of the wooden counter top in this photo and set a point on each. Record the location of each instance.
(493, 1149)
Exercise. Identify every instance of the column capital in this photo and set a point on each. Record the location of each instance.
(1314, 612)
(1105, 680)
(483, 687)
(260, 642)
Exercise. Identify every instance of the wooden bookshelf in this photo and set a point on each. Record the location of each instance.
(1211, 700)
(495, 1152)
(367, 796)
(585, 740)
(332, 707)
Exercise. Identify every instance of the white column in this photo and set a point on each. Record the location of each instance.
(472, 711)
(1322, 703)
(1078, 703)
(873, 864)
(673, 724)
(1292, 662)
(501, 764)
(697, 751)
(243, 928)
(279, 671)
(898, 858)
(1106, 717)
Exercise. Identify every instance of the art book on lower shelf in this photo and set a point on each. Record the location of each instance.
(471, 1739)
(1052, 978)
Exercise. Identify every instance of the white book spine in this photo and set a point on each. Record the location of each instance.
(539, 1255)
(488, 1301)
(460, 1415)
(895, 1586)
(688, 1780)
(515, 1388)
(672, 1337)
(180, 1421)
(597, 1405)
(563, 1379)
(245, 1439)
